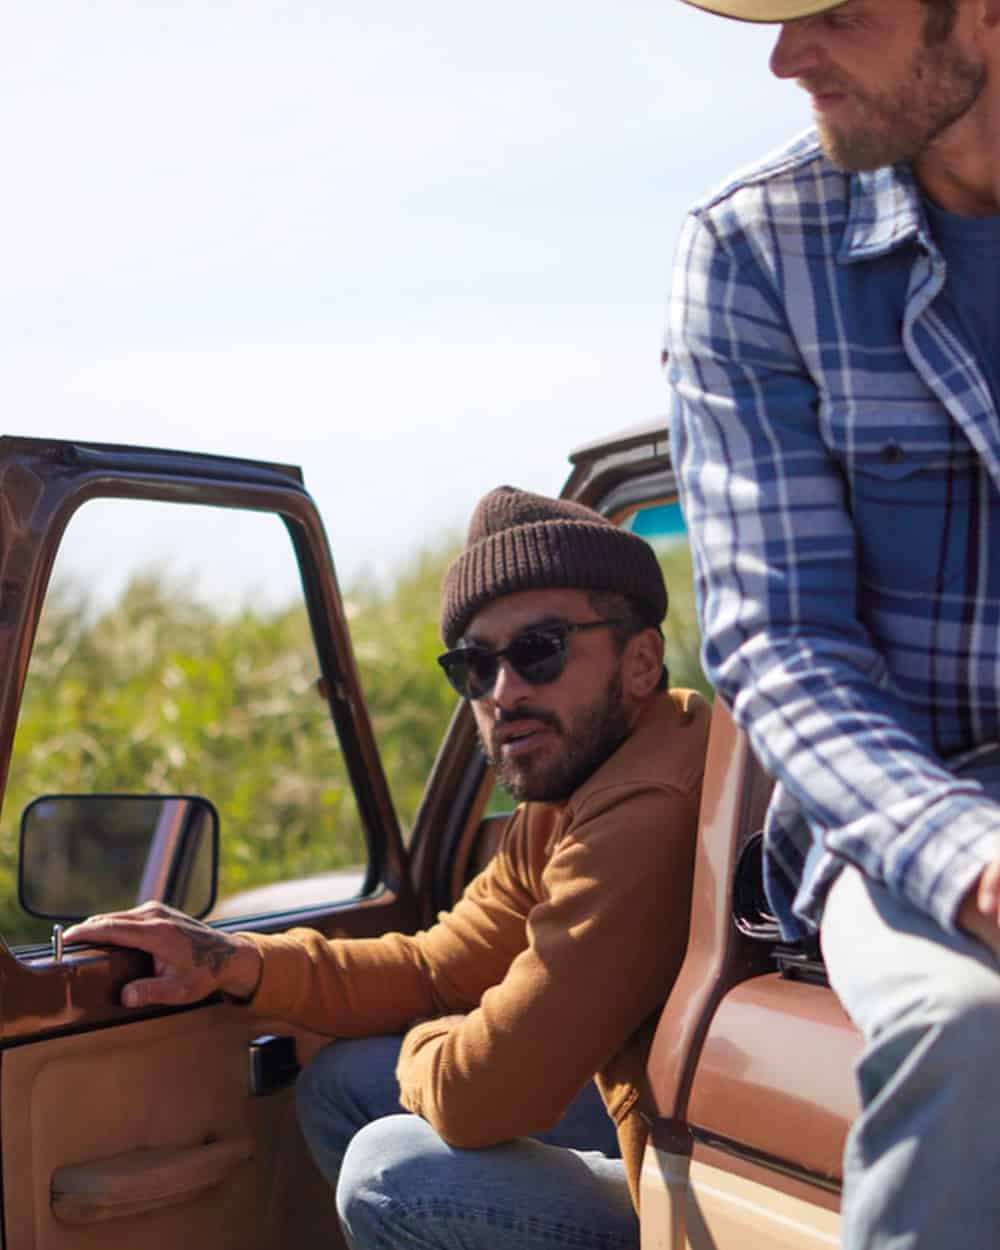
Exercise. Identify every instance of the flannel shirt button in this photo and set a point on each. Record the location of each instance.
(892, 453)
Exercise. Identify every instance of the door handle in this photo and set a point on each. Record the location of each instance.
(143, 1180)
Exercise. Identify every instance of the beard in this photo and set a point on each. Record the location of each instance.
(594, 733)
(899, 123)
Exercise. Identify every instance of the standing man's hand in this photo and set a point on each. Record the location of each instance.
(980, 910)
(191, 959)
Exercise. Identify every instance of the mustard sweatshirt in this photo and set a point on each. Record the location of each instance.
(550, 969)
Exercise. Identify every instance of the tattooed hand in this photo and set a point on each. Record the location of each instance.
(190, 959)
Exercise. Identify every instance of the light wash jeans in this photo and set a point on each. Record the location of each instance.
(922, 1163)
(400, 1187)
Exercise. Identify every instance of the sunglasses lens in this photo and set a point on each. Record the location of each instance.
(471, 671)
(538, 657)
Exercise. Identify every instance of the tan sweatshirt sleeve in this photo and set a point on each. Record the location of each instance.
(602, 951)
(356, 987)
(342, 987)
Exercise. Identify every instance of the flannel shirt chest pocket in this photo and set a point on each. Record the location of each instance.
(915, 497)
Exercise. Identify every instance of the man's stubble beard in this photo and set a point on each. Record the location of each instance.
(595, 733)
(899, 124)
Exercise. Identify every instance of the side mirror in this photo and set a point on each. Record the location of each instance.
(87, 853)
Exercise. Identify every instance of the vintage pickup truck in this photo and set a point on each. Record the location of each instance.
(172, 1128)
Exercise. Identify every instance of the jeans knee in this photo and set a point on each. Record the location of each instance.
(963, 1006)
(969, 1028)
(384, 1170)
(944, 1045)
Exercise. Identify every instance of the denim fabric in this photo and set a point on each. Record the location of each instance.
(838, 449)
(399, 1185)
(923, 1158)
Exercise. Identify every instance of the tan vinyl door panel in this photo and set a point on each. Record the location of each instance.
(694, 1206)
(142, 1135)
(727, 1212)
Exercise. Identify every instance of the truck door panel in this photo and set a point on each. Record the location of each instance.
(751, 1072)
(115, 1098)
(139, 1129)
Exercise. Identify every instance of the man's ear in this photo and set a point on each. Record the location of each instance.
(643, 663)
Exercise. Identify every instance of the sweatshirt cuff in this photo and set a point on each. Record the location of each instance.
(280, 970)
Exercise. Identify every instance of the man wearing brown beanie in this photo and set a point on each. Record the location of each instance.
(498, 1025)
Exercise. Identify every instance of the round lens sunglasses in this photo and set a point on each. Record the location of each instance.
(538, 655)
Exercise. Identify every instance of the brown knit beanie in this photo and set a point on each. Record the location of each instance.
(521, 541)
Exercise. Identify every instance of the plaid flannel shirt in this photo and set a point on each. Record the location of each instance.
(837, 448)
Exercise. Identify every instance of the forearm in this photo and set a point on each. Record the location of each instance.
(341, 987)
(870, 789)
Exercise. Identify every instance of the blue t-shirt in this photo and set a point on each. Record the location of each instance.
(971, 295)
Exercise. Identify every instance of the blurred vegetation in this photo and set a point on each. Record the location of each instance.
(162, 693)
(680, 629)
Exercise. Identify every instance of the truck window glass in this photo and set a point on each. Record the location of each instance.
(174, 655)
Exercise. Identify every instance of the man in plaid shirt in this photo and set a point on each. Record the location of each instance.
(834, 356)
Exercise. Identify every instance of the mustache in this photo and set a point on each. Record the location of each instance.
(821, 86)
(526, 711)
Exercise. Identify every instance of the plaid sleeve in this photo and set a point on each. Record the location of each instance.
(774, 549)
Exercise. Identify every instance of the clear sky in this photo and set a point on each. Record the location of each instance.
(416, 248)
